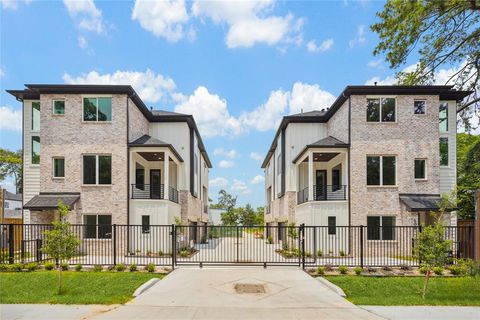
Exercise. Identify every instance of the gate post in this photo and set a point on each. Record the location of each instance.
(302, 242)
(361, 246)
(238, 253)
(114, 244)
(38, 250)
(174, 246)
(11, 244)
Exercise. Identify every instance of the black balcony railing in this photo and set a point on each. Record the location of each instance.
(323, 193)
(147, 191)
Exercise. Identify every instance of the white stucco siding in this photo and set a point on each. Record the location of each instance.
(448, 174)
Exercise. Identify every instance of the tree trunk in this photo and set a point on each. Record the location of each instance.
(60, 279)
(425, 283)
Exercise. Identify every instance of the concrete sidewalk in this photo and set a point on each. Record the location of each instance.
(50, 311)
(210, 293)
(425, 312)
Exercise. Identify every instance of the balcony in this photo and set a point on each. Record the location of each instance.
(323, 193)
(147, 191)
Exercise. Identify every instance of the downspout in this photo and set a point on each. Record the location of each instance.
(348, 152)
(128, 163)
(23, 157)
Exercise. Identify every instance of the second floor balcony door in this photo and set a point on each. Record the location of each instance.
(320, 185)
(155, 184)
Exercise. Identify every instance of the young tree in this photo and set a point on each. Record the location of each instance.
(246, 216)
(60, 242)
(11, 165)
(431, 246)
(468, 178)
(229, 217)
(444, 33)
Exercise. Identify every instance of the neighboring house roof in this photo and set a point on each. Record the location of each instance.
(13, 196)
(33, 91)
(421, 202)
(50, 200)
(148, 141)
(320, 116)
(328, 142)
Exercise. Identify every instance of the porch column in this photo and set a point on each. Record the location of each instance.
(166, 174)
(310, 176)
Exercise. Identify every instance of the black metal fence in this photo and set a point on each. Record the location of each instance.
(170, 245)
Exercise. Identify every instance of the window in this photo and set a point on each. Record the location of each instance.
(420, 165)
(140, 178)
(332, 225)
(97, 226)
(97, 169)
(336, 180)
(35, 116)
(58, 167)
(444, 151)
(381, 110)
(443, 117)
(381, 170)
(59, 107)
(97, 109)
(419, 107)
(145, 224)
(35, 150)
(381, 228)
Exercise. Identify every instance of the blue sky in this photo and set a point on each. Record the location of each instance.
(237, 67)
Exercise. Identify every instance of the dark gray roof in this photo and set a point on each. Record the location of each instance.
(313, 113)
(13, 196)
(50, 200)
(148, 141)
(327, 142)
(421, 202)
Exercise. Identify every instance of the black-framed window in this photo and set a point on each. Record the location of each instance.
(35, 116)
(381, 110)
(58, 167)
(332, 225)
(381, 170)
(444, 151)
(145, 224)
(97, 169)
(420, 169)
(59, 107)
(443, 117)
(336, 180)
(97, 109)
(35, 150)
(381, 228)
(140, 178)
(419, 107)
(97, 226)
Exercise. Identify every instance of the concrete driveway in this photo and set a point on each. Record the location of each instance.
(238, 293)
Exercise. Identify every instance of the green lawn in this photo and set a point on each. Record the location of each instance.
(401, 291)
(79, 287)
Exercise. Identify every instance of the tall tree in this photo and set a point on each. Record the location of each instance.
(446, 33)
(226, 200)
(11, 165)
(468, 177)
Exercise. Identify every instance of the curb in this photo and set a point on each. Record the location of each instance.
(332, 287)
(144, 287)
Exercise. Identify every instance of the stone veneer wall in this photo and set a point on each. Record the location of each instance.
(283, 209)
(412, 136)
(191, 208)
(69, 137)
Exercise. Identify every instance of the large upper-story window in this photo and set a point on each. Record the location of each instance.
(35, 116)
(97, 169)
(381, 170)
(444, 151)
(443, 117)
(35, 150)
(381, 110)
(97, 109)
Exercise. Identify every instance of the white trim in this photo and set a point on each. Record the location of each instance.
(96, 97)
(53, 167)
(381, 171)
(53, 107)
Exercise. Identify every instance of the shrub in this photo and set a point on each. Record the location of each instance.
(308, 254)
(319, 253)
(149, 252)
(133, 267)
(3, 267)
(111, 267)
(328, 267)
(269, 239)
(78, 267)
(285, 246)
(150, 267)
(387, 268)
(423, 270)
(358, 271)
(32, 266)
(64, 266)
(16, 267)
(343, 269)
(404, 267)
(342, 253)
(97, 268)
(321, 271)
(468, 267)
(184, 253)
(438, 271)
(160, 253)
(120, 267)
(49, 266)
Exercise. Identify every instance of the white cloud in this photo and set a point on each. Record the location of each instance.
(13, 4)
(375, 63)
(249, 22)
(150, 86)
(324, 46)
(308, 97)
(255, 156)
(2, 73)
(219, 182)
(226, 164)
(87, 15)
(360, 38)
(10, 119)
(82, 42)
(210, 112)
(257, 179)
(240, 186)
(389, 80)
(226, 153)
(163, 18)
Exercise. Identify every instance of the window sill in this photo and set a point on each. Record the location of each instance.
(383, 241)
(95, 239)
(58, 178)
(383, 187)
(58, 115)
(96, 185)
(421, 180)
(378, 122)
(96, 122)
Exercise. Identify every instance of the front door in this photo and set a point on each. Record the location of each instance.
(321, 185)
(155, 184)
